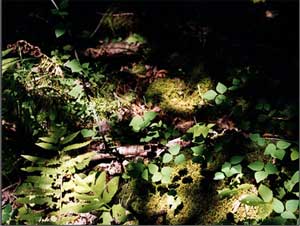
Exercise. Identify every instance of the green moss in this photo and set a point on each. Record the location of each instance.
(219, 208)
(175, 95)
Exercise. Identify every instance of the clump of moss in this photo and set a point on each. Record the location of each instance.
(221, 207)
(174, 95)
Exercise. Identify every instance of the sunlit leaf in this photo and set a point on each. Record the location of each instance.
(219, 176)
(69, 138)
(270, 149)
(197, 150)
(256, 166)
(34, 158)
(74, 65)
(137, 123)
(292, 205)
(278, 153)
(270, 168)
(260, 175)
(76, 146)
(119, 213)
(167, 158)
(60, 31)
(152, 168)
(110, 190)
(174, 150)
(251, 200)
(46, 146)
(282, 144)
(179, 159)
(106, 218)
(265, 192)
(221, 88)
(149, 116)
(210, 95)
(277, 205)
(156, 177)
(100, 184)
(288, 215)
(220, 99)
(294, 155)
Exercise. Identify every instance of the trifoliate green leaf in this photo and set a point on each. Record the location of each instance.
(156, 177)
(251, 200)
(197, 150)
(220, 99)
(294, 154)
(288, 215)
(278, 153)
(174, 150)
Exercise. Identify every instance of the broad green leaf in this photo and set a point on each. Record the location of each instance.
(76, 91)
(145, 174)
(197, 150)
(165, 179)
(266, 193)
(5, 67)
(270, 149)
(210, 95)
(149, 116)
(251, 200)
(5, 52)
(294, 155)
(74, 65)
(288, 215)
(295, 177)
(260, 175)
(137, 123)
(292, 205)
(174, 150)
(219, 176)
(51, 139)
(156, 177)
(283, 144)
(152, 168)
(256, 166)
(100, 184)
(87, 133)
(81, 185)
(226, 169)
(220, 99)
(46, 146)
(235, 81)
(69, 138)
(226, 192)
(59, 32)
(261, 141)
(110, 190)
(76, 146)
(277, 205)
(221, 88)
(270, 168)
(167, 158)
(34, 158)
(119, 213)
(179, 159)
(254, 137)
(106, 218)
(6, 213)
(236, 169)
(278, 153)
(236, 159)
